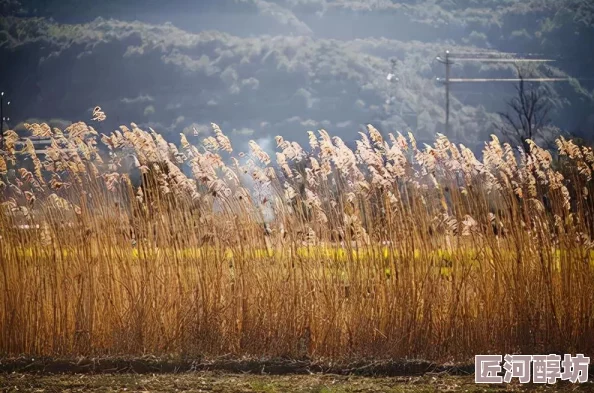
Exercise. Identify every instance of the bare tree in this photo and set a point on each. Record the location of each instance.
(528, 115)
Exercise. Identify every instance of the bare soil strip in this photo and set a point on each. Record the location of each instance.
(207, 381)
(151, 365)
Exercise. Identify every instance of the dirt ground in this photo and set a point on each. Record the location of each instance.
(244, 383)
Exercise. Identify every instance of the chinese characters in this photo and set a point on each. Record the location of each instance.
(538, 368)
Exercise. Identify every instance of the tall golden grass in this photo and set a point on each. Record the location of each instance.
(388, 251)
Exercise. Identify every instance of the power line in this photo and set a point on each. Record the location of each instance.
(449, 60)
(499, 55)
(464, 80)
(487, 60)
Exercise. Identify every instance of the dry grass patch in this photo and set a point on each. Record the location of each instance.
(138, 246)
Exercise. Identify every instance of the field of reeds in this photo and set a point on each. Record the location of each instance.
(125, 244)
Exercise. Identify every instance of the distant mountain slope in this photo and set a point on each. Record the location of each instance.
(322, 63)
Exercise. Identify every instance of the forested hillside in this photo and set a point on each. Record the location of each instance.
(281, 67)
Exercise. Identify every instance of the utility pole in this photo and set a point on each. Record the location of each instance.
(392, 78)
(448, 64)
(480, 57)
(404, 111)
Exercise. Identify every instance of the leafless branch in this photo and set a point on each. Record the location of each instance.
(527, 116)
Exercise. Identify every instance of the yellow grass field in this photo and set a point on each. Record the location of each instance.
(126, 244)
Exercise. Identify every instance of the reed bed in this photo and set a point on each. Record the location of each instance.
(125, 244)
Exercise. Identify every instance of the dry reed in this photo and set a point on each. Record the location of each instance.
(142, 246)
